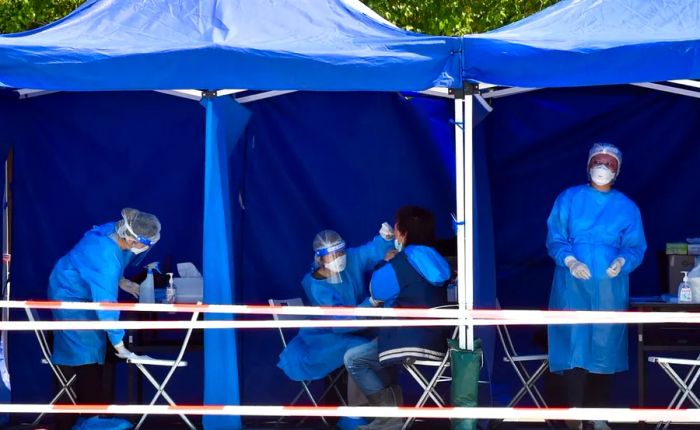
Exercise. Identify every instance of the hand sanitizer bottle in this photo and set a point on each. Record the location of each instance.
(685, 294)
(170, 290)
(146, 292)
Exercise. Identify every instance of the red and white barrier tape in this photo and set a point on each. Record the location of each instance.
(515, 414)
(473, 317)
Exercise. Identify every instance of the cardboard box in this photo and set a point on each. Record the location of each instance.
(676, 264)
(189, 290)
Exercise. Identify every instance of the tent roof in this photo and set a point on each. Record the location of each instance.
(215, 44)
(590, 42)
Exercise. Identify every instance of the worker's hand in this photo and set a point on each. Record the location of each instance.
(578, 270)
(615, 267)
(129, 286)
(122, 352)
(386, 232)
(390, 254)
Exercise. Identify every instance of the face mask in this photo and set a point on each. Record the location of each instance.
(338, 264)
(397, 245)
(601, 175)
(137, 251)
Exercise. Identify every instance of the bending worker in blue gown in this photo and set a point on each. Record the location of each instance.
(595, 237)
(337, 279)
(92, 272)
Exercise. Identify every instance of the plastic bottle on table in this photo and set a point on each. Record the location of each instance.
(170, 290)
(146, 292)
(685, 294)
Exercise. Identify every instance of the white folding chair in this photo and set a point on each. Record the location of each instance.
(518, 362)
(685, 385)
(142, 362)
(64, 383)
(333, 378)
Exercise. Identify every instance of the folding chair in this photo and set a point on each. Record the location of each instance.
(65, 383)
(685, 385)
(142, 362)
(429, 386)
(518, 362)
(333, 378)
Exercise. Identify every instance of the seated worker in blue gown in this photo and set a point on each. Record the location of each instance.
(336, 279)
(93, 272)
(595, 237)
(416, 277)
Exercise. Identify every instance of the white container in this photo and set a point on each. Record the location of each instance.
(695, 288)
(146, 293)
(189, 290)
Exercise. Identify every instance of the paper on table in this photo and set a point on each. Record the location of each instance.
(188, 270)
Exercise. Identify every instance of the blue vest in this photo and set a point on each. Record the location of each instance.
(399, 343)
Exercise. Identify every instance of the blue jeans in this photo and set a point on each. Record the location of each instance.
(362, 363)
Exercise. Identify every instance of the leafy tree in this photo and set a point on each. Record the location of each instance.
(22, 15)
(442, 17)
(455, 17)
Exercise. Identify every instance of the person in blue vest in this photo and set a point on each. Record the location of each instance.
(93, 272)
(415, 277)
(595, 237)
(337, 278)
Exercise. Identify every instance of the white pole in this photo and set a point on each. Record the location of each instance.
(465, 215)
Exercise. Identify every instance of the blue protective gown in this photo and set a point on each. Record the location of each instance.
(315, 352)
(90, 272)
(595, 227)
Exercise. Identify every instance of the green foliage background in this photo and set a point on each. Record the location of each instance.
(440, 17)
(21, 15)
(455, 17)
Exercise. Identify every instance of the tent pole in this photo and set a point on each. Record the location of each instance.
(465, 231)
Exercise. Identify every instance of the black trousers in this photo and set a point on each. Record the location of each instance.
(89, 388)
(586, 389)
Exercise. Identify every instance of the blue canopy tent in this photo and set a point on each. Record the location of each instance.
(557, 82)
(270, 175)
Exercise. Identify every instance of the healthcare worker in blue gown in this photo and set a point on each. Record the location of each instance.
(595, 237)
(92, 272)
(337, 278)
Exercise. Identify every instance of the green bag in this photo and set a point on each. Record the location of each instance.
(466, 366)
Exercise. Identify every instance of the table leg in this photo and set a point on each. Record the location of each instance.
(641, 366)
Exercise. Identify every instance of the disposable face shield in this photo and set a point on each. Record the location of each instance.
(139, 227)
(328, 243)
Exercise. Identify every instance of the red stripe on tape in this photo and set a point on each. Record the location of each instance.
(116, 305)
(306, 408)
(190, 306)
(199, 407)
(44, 304)
(78, 407)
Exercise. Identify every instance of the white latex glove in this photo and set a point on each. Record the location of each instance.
(386, 232)
(122, 352)
(130, 287)
(578, 270)
(615, 267)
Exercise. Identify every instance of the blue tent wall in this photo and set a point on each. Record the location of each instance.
(80, 158)
(308, 161)
(345, 162)
(537, 144)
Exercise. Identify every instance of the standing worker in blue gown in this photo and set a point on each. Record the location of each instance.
(336, 279)
(595, 237)
(92, 272)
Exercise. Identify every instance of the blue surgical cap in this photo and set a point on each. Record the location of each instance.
(606, 148)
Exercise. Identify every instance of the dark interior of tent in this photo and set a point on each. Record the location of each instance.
(308, 161)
